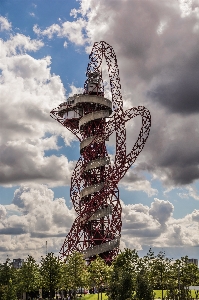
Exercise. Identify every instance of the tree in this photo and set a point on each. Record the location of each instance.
(172, 282)
(186, 275)
(50, 271)
(98, 273)
(7, 273)
(144, 288)
(158, 270)
(76, 272)
(9, 292)
(122, 283)
(29, 276)
(64, 283)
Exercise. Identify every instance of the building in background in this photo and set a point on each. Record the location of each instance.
(17, 263)
(193, 261)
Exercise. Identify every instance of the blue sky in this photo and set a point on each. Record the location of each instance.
(44, 54)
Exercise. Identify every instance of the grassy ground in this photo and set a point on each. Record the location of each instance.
(94, 297)
(158, 295)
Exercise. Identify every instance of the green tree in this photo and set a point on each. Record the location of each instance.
(9, 292)
(29, 276)
(51, 273)
(76, 272)
(98, 274)
(64, 283)
(144, 288)
(7, 273)
(186, 274)
(172, 282)
(122, 284)
(158, 270)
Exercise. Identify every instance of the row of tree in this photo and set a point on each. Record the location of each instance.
(129, 276)
(133, 277)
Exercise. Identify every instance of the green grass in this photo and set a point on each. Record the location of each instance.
(93, 297)
(158, 294)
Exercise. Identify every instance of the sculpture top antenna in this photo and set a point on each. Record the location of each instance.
(92, 119)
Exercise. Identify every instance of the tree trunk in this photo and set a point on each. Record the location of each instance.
(98, 293)
(50, 293)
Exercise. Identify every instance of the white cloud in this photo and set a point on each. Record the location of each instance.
(186, 7)
(36, 217)
(28, 93)
(195, 215)
(141, 185)
(159, 71)
(49, 32)
(161, 27)
(18, 43)
(32, 14)
(154, 226)
(75, 90)
(85, 7)
(2, 211)
(155, 72)
(191, 193)
(73, 31)
(132, 181)
(5, 24)
(65, 44)
(161, 210)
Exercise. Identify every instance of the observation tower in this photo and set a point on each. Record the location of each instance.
(92, 118)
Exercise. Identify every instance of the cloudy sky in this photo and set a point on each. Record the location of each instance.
(44, 50)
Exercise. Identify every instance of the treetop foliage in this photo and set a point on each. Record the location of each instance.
(129, 276)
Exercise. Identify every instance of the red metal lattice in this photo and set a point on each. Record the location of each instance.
(94, 190)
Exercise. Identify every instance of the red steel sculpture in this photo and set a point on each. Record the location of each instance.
(94, 191)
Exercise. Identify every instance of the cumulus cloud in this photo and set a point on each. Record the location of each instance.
(5, 24)
(19, 43)
(161, 210)
(27, 131)
(2, 212)
(75, 90)
(158, 69)
(36, 217)
(155, 226)
(135, 182)
(23, 163)
(195, 215)
(73, 31)
(186, 7)
(191, 192)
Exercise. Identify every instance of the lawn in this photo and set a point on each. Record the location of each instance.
(158, 295)
(93, 297)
